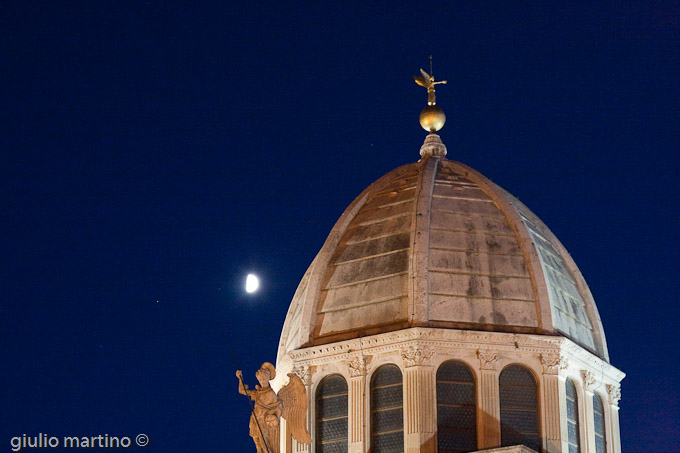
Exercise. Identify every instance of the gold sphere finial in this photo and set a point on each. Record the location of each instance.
(432, 117)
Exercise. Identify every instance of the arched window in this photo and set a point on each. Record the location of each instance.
(456, 409)
(519, 408)
(600, 436)
(331, 415)
(572, 418)
(387, 410)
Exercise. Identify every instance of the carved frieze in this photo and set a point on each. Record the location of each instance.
(435, 338)
(487, 359)
(553, 362)
(417, 356)
(450, 343)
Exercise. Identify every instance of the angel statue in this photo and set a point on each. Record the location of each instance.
(428, 82)
(290, 403)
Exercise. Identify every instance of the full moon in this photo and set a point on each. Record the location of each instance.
(252, 283)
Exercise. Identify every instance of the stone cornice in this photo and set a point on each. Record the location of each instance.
(421, 337)
(581, 358)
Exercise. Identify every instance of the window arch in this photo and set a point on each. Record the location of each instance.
(598, 414)
(331, 415)
(456, 409)
(519, 408)
(572, 418)
(387, 410)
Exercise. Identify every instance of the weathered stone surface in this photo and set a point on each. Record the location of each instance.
(435, 243)
(483, 311)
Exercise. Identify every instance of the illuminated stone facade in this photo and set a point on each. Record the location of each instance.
(434, 263)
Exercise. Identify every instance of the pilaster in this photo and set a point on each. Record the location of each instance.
(356, 397)
(553, 404)
(614, 433)
(419, 403)
(488, 401)
(589, 422)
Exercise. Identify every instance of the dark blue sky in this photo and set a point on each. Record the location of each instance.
(152, 153)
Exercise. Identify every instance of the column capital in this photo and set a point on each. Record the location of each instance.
(417, 356)
(614, 392)
(588, 380)
(302, 371)
(357, 366)
(553, 362)
(487, 359)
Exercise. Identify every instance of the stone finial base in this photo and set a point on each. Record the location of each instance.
(433, 146)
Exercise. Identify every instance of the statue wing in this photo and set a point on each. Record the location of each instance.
(421, 81)
(294, 398)
(425, 75)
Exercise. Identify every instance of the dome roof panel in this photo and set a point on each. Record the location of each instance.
(366, 278)
(436, 244)
(567, 304)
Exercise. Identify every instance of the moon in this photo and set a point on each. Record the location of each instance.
(252, 283)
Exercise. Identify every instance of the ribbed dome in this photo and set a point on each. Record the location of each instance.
(436, 244)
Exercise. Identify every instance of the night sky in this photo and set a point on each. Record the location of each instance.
(153, 153)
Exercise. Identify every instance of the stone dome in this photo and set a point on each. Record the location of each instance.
(436, 244)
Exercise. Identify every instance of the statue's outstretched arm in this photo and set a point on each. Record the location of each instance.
(242, 388)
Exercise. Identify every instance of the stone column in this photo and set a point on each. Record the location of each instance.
(553, 404)
(419, 400)
(303, 372)
(356, 404)
(488, 401)
(614, 433)
(589, 413)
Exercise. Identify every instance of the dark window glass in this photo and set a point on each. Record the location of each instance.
(600, 436)
(519, 408)
(331, 415)
(387, 410)
(456, 409)
(572, 418)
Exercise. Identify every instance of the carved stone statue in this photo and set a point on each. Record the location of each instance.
(290, 403)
